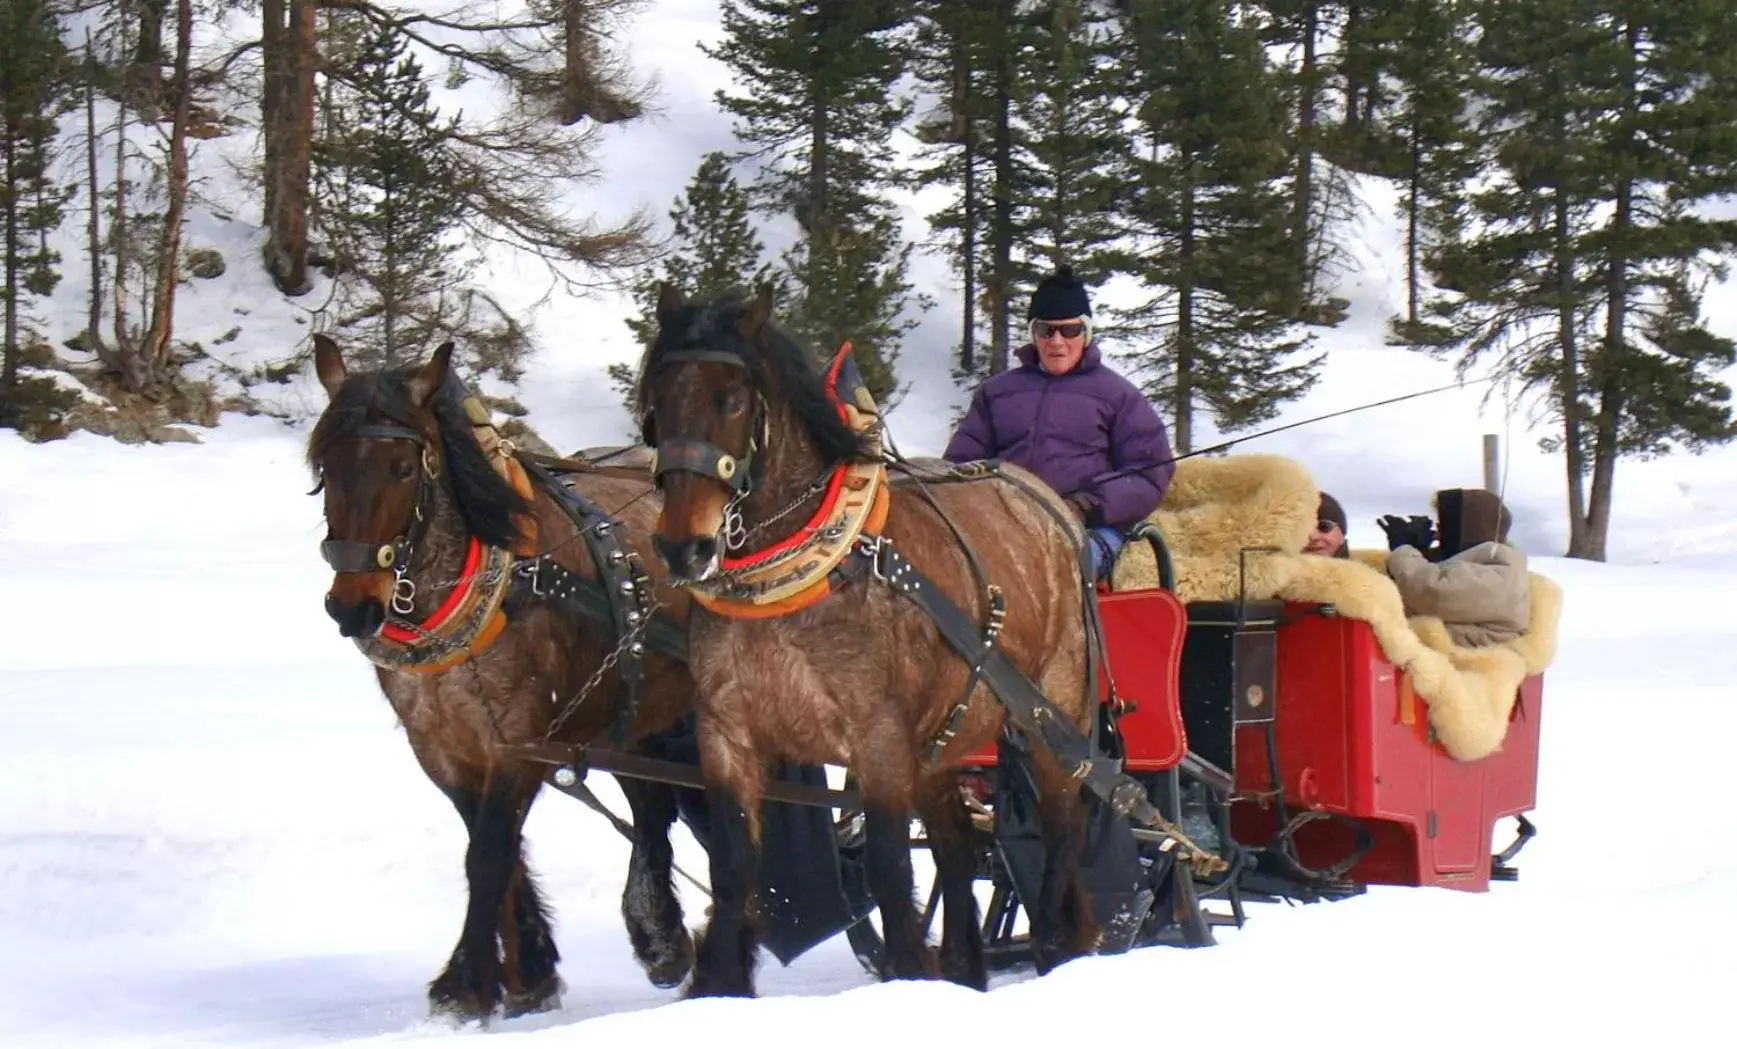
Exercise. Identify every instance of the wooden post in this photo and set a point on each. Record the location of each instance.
(1492, 463)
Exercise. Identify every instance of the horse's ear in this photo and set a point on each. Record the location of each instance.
(669, 299)
(328, 363)
(758, 312)
(431, 376)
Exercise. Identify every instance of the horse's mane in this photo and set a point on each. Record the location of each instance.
(776, 355)
(485, 500)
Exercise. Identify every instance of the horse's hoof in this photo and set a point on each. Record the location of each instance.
(462, 1010)
(545, 997)
(670, 965)
(670, 972)
(965, 973)
(718, 989)
(456, 998)
(923, 965)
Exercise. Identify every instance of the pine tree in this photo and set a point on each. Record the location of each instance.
(1071, 131)
(1302, 25)
(1581, 265)
(1430, 63)
(1210, 220)
(818, 114)
(33, 63)
(952, 57)
(392, 198)
(714, 248)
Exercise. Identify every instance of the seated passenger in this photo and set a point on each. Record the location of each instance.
(1062, 414)
(1328, 538)
(1468, 576)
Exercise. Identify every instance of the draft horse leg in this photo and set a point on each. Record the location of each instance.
(471, 985)
(887, 783)
(648, 903)
(1063, 925)
(528, 948)
(951, 839)
(724, 953)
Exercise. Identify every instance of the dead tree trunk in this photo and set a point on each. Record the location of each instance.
(123, 343)
(93, 324)
(155, 351)
(287, 116)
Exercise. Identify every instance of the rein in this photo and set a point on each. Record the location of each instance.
(1111, 475)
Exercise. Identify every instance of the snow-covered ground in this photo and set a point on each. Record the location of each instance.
(213, 833)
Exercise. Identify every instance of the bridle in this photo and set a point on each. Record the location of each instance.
(393, 555)
(699, 456)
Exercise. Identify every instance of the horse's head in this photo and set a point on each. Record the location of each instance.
(699, 403)
(396, 455)
(719, 391)
(377, 452)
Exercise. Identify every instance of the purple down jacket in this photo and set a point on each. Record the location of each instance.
(1089, 433)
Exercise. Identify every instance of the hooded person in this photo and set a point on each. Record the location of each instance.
(1328, 538)
(1068, 418)
(1471, 578)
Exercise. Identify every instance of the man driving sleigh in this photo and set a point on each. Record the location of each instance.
(1064, 415)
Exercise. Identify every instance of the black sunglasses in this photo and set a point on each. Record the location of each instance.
(1044, 329)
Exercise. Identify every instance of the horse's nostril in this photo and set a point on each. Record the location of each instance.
(371, 616)
(690, 558)
(363, 619)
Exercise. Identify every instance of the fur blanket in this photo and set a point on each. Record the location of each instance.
(1217, 507)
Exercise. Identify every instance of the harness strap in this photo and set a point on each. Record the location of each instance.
(350, 555)
(542, 578)
(1025, 703)
(1098, 654)
(620, 599)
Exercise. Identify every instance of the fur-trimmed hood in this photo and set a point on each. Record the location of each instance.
(1237, 523)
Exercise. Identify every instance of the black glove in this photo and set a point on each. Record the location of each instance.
(1090, 513)
(1416, 530)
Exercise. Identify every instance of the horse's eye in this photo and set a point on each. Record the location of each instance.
(732, 402)
(402, 468)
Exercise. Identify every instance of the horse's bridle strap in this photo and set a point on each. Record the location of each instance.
(345, 555)
(402, 433)
(704, 357)
(351, 555)
(695, 456)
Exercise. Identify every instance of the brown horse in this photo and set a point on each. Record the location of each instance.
(749, 440)
(414, 502)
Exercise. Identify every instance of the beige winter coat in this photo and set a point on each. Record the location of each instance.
(1482, 595)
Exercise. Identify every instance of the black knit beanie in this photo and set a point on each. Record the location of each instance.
(1328, 509)
(1061, 296)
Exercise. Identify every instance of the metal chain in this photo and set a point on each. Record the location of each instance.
(627, 641)
(814, 488)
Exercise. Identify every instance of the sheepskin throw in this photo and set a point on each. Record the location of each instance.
(1263, 508)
